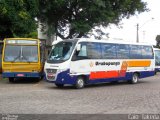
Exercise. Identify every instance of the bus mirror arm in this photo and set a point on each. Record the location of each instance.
(78, 47)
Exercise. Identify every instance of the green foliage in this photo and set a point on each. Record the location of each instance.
(66, 18)
(32, 35)
(78, 17)
(17, 17)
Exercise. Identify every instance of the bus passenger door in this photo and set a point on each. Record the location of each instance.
(80, 61)
(83, 60)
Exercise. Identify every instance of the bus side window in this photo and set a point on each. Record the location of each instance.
(147, 52)
(135, 52)
(122, 51)
(82, 54)
(109, 51)
(94, 51)
(83, 51)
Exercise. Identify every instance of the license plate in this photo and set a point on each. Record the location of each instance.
(50, 74)
(20, 75)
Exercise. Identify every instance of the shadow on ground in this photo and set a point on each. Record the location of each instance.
(109, 84)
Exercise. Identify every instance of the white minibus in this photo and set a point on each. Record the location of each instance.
(88, 61)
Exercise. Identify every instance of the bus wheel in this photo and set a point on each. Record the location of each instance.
(80, 83)
(155, 73)
(114, 82)
(38, 79)
(59, 85)
(11, 80)
(134, 79)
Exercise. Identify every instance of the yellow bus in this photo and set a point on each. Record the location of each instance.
(21, 58)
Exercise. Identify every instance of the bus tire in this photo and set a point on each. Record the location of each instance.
(80, 83)
(135, 78)
(155, 73)
(114, 82)
(11, 79)
(59, 85)
(38, 79)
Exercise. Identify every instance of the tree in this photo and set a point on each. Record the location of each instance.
(158, 40)
(75, 18)
(17, 17)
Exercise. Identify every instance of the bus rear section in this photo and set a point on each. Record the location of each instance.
(93, 61)
(157, 60)
(21, 59)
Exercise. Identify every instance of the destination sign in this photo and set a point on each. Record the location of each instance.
(22, 42)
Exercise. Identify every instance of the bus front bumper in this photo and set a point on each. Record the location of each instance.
(62, 78)
(20, 74)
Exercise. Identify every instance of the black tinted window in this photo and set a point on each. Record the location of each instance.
(122, 51)
(108, 51)
(135, 52)
(94, 50)
(147, 52)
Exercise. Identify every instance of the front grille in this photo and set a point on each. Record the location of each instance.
(51, 70)
(51, 74)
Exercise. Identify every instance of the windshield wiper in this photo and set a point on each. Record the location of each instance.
(21, 58)
(26, 59)
(16, 58)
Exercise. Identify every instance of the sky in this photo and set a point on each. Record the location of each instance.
(149, 25)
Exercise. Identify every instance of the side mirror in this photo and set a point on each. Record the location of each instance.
(78, 47)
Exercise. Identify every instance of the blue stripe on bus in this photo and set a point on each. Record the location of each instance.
(65, 78)
(25, 74)
(157, 69)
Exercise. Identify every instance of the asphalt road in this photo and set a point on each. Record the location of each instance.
(31, 97)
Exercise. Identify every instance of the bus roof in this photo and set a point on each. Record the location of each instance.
(20, 39)
(107, 41)
(29, 41)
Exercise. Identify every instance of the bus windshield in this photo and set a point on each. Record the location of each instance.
(60, 52)
(21, 53)
(157, 57)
